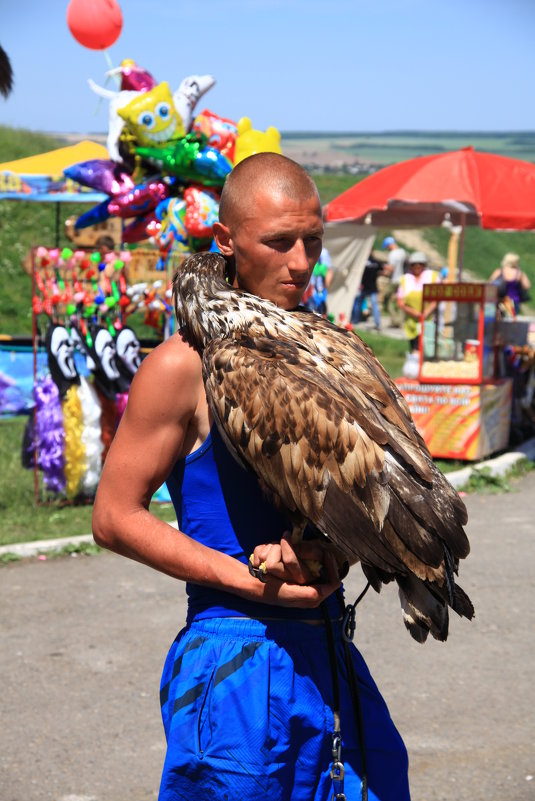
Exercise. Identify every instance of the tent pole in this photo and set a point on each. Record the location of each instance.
(461, 249)
(57, 224)
(34, 410)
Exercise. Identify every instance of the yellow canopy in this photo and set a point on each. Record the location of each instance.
(54, 162)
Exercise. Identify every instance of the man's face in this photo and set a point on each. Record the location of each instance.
(276, 244)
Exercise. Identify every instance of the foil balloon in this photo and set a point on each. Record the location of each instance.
(190, 160)
(220, 132)
(133, 77)
(202, 210)
(172, 234)
(140, 200)
(151, 117)
(95, 24)
(138, 229)
(102, 175)
(184, 100)
(250, 141)
(95, 215)
(188, 93)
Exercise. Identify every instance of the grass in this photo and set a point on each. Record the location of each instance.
(483, 480)
(22, 519)
(390, 352)
(331, 185)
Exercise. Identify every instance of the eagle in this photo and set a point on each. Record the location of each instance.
(308, 408)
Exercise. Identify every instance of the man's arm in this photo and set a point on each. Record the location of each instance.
(160, 425)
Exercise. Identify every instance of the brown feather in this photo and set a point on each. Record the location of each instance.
(310, 410)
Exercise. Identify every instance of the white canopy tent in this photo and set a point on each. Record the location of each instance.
(349, 245)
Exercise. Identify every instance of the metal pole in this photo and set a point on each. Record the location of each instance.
(461, 248)
(34, 410)
(57, 224)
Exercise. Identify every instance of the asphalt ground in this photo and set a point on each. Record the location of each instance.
(84, 639)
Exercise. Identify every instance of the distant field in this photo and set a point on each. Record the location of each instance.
(389, 148)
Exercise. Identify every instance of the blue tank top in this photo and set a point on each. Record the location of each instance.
(220, 504)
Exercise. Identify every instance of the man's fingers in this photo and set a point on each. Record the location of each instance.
(263, 553)
(297, 570)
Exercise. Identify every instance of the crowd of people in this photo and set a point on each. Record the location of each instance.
(392, 285)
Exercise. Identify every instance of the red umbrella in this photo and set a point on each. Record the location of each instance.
(473, 188)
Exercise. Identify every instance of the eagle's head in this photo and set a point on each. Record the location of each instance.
(201, 297)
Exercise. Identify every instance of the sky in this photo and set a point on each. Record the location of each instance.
(336, 66)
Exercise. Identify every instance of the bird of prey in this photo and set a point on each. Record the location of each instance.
(307, 406)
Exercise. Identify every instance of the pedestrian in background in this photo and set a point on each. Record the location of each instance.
(410, 296)
(368, 291)
(393, 271)
(512, 282)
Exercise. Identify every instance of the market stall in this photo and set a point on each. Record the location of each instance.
(462, 400)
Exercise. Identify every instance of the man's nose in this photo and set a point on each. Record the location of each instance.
(299, 261)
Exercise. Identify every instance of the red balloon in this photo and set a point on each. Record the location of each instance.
(96, 24)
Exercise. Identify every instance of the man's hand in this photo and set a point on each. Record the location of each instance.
(287, 570)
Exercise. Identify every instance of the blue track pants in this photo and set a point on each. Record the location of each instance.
(247, 712)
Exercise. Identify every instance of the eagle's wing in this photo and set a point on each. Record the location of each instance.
(321, 426)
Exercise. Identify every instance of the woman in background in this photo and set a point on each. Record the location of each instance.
(512, 281)
(410, 296)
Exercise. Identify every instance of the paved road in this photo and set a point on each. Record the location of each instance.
(83, 640)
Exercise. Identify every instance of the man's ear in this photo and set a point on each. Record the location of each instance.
(223, 239)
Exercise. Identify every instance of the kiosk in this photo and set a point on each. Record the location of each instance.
(459, 404)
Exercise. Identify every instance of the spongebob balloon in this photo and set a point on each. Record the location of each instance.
(151, 118)
(184, 99)
(249, 141)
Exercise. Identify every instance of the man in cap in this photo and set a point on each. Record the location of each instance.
(393, 271)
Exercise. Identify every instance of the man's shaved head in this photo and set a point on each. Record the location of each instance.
(263, 171)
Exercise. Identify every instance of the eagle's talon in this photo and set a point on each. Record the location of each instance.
(259, 572)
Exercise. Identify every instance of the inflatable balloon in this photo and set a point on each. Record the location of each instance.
(190, 160)
(202, 210)
(189, 93)
(140, 200)
(101, 175)
(95, 215)
(95, 24)
(220, 132)
(172, 234)
(136, 231)
(250, 141)
(184, 100)
(133, 78)
(151, 117)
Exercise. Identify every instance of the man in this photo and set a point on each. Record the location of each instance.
(368, 289)
(247, 692)
(393, 270)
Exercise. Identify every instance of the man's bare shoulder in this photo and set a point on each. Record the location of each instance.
(170, 377)
(174, 359)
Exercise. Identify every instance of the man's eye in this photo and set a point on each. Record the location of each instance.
(280, 243)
